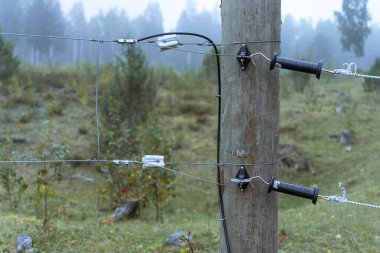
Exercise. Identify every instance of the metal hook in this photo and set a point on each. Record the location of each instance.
(343, 190)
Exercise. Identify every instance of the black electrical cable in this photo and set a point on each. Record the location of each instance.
(221, 204)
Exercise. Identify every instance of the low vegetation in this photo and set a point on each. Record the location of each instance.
(51, 115)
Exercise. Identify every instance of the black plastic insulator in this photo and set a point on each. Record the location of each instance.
(299, 191)
(296, 65)
(243, 57)
(241, 175)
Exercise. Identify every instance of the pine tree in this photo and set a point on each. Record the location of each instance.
(45, 17)
(8, 61)
(369, 84)
(132, 130)
(128, 98)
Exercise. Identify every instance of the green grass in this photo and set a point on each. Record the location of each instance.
(330, 227)
(307, 121)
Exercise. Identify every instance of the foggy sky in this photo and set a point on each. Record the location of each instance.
(171, 9)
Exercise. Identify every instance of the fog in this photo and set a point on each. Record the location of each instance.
(301, 38)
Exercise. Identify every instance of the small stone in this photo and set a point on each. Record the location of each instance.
(348, 149)
(24, 243)
(339, 108)
(126, 210)
(19, 140)
(334, 137)
(82, 178)
(345, 137)
(33, 250)
(341, 95)
(174, 239)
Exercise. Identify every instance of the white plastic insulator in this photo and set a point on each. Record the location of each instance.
(153, 161)
(168, 45)
(167, 42)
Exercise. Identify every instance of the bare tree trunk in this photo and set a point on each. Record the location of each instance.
(250, 124)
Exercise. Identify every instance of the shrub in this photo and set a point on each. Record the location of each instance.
(26, 117)
(54, 108)
(129, 97)
(131, 94)
(44, 182)
(11, 181)
(157, 184)
(369, 84)
(125, 105)
(300, 81)
(209, 69)
(8, 62)
(130, 131)
(82, 82)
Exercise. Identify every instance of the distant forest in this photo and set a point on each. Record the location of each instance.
(300, 39)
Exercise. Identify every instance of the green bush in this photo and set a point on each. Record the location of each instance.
(13, 185)
(129, 131)
(8, 61)
(300, 81)
(46, 179)
(157, 185)
(130, 95)
(209, 69)
(54, 108)
(369, 84)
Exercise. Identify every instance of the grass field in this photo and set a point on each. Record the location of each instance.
(66, 116)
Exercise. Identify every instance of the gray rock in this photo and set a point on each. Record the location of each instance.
(341, 95)
(348, 149)
(14, 140)
(339, 108)
(126, 210)
(82, 178)
(346, 137)
(292, 157)
(24, 243)
(174, 239)
(33, 250)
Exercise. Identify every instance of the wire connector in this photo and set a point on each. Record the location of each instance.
(240, 181)
(118, 162)
(167, 42)
(126, 41)
(153, 161)
(343, 199)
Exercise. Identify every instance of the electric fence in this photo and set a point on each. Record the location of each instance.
(166, 41)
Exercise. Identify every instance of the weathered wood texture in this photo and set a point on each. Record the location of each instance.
(250, 123)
